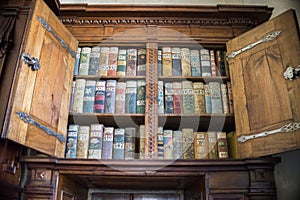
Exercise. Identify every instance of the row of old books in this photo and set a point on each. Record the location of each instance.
(187, 97)
(110, 61)
(99, 142)
(175, 61)
(108, 96)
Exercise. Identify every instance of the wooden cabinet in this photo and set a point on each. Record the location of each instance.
(265, 103)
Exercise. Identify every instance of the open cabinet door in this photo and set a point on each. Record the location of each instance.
(40, 97)
(266, 104)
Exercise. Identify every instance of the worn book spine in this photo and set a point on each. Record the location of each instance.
(130, 143)
(195, 63)
(224, 93)
(205, 62)
(130, 93)
(212, 145)
(89, 96)
(200, 145)
(119, 143)
(112, 61)
(232, 145)
(107, 143)
(177, 97)
(77, 61)
(142, 137)
(220, 62)
(166, 61)
(168, 144)
(141, 96)
(177, 144)
(94, 61)
(216, 97)
(84, 61)
(169, 101)
(95, 141)
(207, 98)
(72, 96)
(110, 96)
(230, 97)
(141, 62)
(186, 62)
(188, 143)
(99, 96)
(199, 98)
(103, 61)
(120, 97)
(160, 97)
(214, 70)
(176, 61)
(122, 60)
(159, 62)
(226, 64)
(222, 145)
(188, 97)
(71, 144)
(131, 62)
(78, 96)
(83, 142)
(160, 142)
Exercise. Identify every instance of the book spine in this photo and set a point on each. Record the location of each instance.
(200, 145)
(78, 96)
(99, 96)
(232, 145)
(95, 141)
(230, 97)
(177, 97)
(142, 137)
(199, 97)
(214, 71)
(207, 98)
(107, 144)
(130, 93)
(166, 61)
(110, 96)
(84, 61)
(94, 61)
(112, 61)
(83, 142)
(89, 96)
(119, 144)
(77, 61)
(224, 98)
(186, 61)
(222, 145)
(130, 142)
(220, 62)
(71, 144)
(131, 62)
(122, 60)
(160, 143)
(159, 62)
(216, 97)
(195, 63)
(188, 97)
(103, 62)
(226, 64)
(177, 144)
(205, 62)
(141, 96)
(72, 96)
(168, 144)
(212, 145)
(169, 101)
(141, 62)
(160, 97)
(120, 97)
(176, 61)
(188, 143)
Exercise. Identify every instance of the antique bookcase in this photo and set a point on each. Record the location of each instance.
(266, 110)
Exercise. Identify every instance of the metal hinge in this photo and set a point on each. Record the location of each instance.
(292, 72)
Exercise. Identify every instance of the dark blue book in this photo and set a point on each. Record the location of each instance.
(141, 96)
(119, 143)
(107, 143)
(159, 62)
(77, 60)
(195, 63)
(94, 61)
(130, 96)
(71, 144)
(110, 96)
(169, 102)
(89, 96)
(208, 107)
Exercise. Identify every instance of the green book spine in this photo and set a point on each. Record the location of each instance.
(122, 59)
(130, 143)
(188, 143)
(131, 92)
(169, 101)
(119, 144)
(222, 145)
(89, 96)
(71, 144)
(232, 145)
(187, 97)
(141, 62)
(84, 61)
(141, 96)
(186, 61)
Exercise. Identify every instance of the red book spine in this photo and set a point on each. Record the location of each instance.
(120, 97)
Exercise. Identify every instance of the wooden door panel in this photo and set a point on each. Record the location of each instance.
(263, 99)
(43, 94)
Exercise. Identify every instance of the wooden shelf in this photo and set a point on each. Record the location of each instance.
(194, 78)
